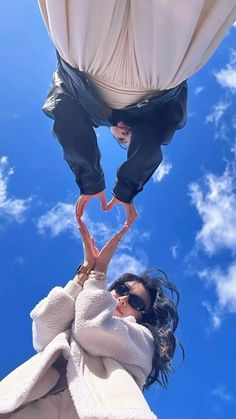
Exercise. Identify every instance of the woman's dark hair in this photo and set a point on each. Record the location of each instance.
(161, 319)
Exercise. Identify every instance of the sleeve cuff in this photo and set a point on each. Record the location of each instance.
(91, 187)
(73, 289)
(93, 284)
(124, 194)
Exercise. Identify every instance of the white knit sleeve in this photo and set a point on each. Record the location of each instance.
(102, 334)
(54, 314)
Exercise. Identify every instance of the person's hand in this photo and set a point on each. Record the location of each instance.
(83, 201)
(130, 210)
(90, 250)
(105, 255)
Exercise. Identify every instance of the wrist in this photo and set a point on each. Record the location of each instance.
(82, 273)
(80, 279)
(84, 268)
(101, 276)
(100, 267)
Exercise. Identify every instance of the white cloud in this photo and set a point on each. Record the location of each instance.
(215, 202)
(234, 121)
(233, 148)
(162, 171)
(217, 112)
(61, 218)
(174, 251)
(222, 393)
(122, 263)
(101, 231)
(225, 283)
(199, 90)
(226, 77)
(10, 208)
(215, 314)
(216, 205)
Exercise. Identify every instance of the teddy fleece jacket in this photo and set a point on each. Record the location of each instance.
(109, 358)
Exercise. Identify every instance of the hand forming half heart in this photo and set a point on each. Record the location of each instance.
(83, 200)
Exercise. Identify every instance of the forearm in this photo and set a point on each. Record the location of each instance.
(80, 149)
(74, 131)
(144, 156)
(168, 114)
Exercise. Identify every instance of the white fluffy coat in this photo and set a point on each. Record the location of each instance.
(109, 358)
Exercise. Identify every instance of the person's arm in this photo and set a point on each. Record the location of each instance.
(144, 153)
(144, 156)
(55, 313)
(73, 129)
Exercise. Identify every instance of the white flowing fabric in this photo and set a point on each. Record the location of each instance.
(133, 47)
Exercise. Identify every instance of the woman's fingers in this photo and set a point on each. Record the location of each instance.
(112, 244)
(95, 249)
(84, 233)
(85, 229)
(120, 234)
(88, 240)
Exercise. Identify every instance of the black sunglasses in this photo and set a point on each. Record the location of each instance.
(134, 300)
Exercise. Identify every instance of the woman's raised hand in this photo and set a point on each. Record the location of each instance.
(105, 255)
(93, 259)
(90, 250)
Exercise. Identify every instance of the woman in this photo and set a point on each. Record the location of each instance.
(124, 64)
(97, 348)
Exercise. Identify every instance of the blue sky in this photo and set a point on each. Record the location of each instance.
(186, 225)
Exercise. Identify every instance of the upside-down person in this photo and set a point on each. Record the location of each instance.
(98, 348)
(124, 64)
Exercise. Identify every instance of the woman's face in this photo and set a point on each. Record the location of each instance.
(122, 133)
(123, 308)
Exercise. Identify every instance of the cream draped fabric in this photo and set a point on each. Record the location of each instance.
(133, 47)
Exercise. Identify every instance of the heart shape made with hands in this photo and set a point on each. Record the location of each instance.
(101, 229)
(83, 200)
